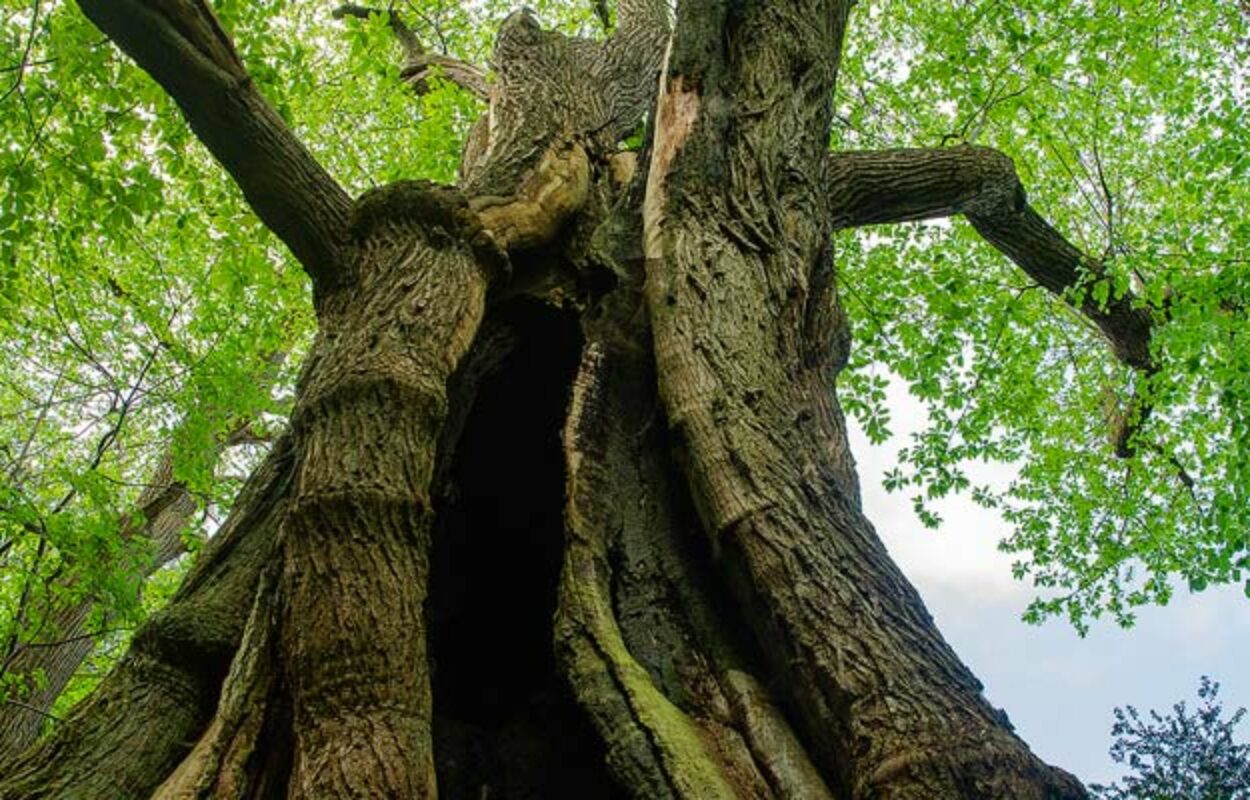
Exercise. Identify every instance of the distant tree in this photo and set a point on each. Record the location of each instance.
(1181, 756)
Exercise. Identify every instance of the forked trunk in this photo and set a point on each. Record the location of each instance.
(567, 508)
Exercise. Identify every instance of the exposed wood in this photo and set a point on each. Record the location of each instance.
(738, 254)
(555, 97)
(649, 645)
(835, 684)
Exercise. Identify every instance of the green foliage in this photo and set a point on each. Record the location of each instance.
(145, 311)
(1128, 124)
(1180, 756)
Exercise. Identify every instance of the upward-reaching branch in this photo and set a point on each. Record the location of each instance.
(181, 45)
(874, 187)
(634, 51)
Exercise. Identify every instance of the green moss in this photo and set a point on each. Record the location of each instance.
(686, 761)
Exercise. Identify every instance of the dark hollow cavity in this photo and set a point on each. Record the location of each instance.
(505, 724)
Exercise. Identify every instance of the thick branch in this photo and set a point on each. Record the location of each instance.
(181, 45)
(901, 185)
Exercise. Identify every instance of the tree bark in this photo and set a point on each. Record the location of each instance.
(356, 541)
(738, 245)
(725, 618)
(868, 188)
(641, 627)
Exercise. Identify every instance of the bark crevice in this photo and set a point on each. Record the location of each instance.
(505, 724)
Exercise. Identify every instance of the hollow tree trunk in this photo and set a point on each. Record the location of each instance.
(726, 622)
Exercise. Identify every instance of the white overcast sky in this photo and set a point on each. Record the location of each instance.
(1058, 688)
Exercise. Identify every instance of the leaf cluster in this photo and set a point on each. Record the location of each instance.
(1128, 124)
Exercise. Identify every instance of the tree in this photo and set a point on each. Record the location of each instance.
(1180, 755)
(373, 619)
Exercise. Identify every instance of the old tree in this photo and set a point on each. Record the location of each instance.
(565, 505)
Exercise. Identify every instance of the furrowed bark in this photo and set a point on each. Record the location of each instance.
(124, 740)
(181, 44)
(370, 413)
(329, 694)
(558, 107)
(639, 629)
(740, 296)
(867, 188)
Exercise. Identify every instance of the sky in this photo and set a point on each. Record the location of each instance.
(1058, 688)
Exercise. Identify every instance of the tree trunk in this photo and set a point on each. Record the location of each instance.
(567, 508)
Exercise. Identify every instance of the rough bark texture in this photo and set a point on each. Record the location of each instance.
(738, 233)
(726, 621)
(648, 641)
(356, 541)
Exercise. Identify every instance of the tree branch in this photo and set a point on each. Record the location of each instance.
(407, 39)
(419, 64)
(873, 187)
(181, 45)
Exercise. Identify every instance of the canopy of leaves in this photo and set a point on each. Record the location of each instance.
(1130, 128)
(1181, 756)
(145, 311)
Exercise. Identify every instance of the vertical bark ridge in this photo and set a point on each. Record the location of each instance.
(124, 740)
(373, 402)
(636, 632)
(738, 253)
(653, 749)
(222, 763)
